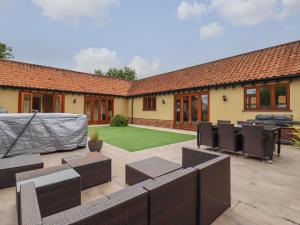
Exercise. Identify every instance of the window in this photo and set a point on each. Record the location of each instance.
(269, 97)
(251, 98)
(149, 103)
(281, 97)
(265, 97)
(41, 102)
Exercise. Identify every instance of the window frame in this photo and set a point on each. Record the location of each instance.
(149, 103)
(273, 106)
(31, 93)
(99, 99)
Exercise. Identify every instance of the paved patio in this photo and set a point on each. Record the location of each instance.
(262, 193)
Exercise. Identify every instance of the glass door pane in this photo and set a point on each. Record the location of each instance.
(194, 109)
(110, 108)
(88, 108)
(58, 103)
(47, 103)
(186, 110)
(204, 107)
(26, 103)
(96, 114)
(37, 102)
(178, 111)
(103, 109)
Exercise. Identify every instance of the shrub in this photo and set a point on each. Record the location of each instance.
(95, 136)
(296, 137)
(119, 121)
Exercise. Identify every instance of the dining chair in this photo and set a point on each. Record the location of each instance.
(254, 141)
(229, 139)
(207, 135)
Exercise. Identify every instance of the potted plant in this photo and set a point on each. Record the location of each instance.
(95, 143)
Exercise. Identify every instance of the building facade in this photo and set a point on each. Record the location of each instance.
(265, 81)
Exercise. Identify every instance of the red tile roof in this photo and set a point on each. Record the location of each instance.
(274, 62)
(278, 61)
(25, 75)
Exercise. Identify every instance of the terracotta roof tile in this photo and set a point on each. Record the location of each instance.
(25, 75)
(277, 61)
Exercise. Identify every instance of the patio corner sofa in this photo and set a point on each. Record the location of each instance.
(193, 195)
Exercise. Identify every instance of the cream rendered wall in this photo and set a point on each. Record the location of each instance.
(295, 98)
(233, 108)
(163, 111)
(71, 107)
(121, 106)
(9, 100)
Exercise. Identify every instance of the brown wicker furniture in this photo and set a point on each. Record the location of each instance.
(254, 141)
(173, 198)
(94, 168)
(229, 139)
(214, 188)
(10, 166)
(207, 135)
(272, 136)
(127, 208)
(58, 188)
(190, 196)
(149, 168)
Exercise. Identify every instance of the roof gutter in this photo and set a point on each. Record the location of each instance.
(58, 91)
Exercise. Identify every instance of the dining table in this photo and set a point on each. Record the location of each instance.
(272, 133)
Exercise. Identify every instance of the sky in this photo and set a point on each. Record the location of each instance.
(150, 36)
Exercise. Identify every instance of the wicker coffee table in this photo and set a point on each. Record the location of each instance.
(94, 168)
(9, 167)
(153, 167)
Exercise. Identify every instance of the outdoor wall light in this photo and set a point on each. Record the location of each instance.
(74, 101)
(224, 98)
(163, 101)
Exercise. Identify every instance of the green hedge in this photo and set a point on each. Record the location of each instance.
(119, 121)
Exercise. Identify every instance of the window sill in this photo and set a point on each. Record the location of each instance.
(149, 110)
(267, 110)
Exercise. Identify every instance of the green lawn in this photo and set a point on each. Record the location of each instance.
(135, 139)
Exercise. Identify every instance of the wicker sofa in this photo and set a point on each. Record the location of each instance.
(214, 186)
(187, 196)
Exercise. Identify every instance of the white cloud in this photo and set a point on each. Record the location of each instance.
(245, 12)
(87, 60)
(290, 7)
(187, 10)
(73, 10)
(144, 67)
(210, 31)
(90, 59)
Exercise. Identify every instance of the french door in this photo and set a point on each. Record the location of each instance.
(99, 109)
(42, 102)
(191, 108)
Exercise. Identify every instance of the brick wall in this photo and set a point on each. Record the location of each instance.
(152, 122)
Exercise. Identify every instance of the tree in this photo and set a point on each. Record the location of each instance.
(5, 51)
(126, 73)
(99, 72)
